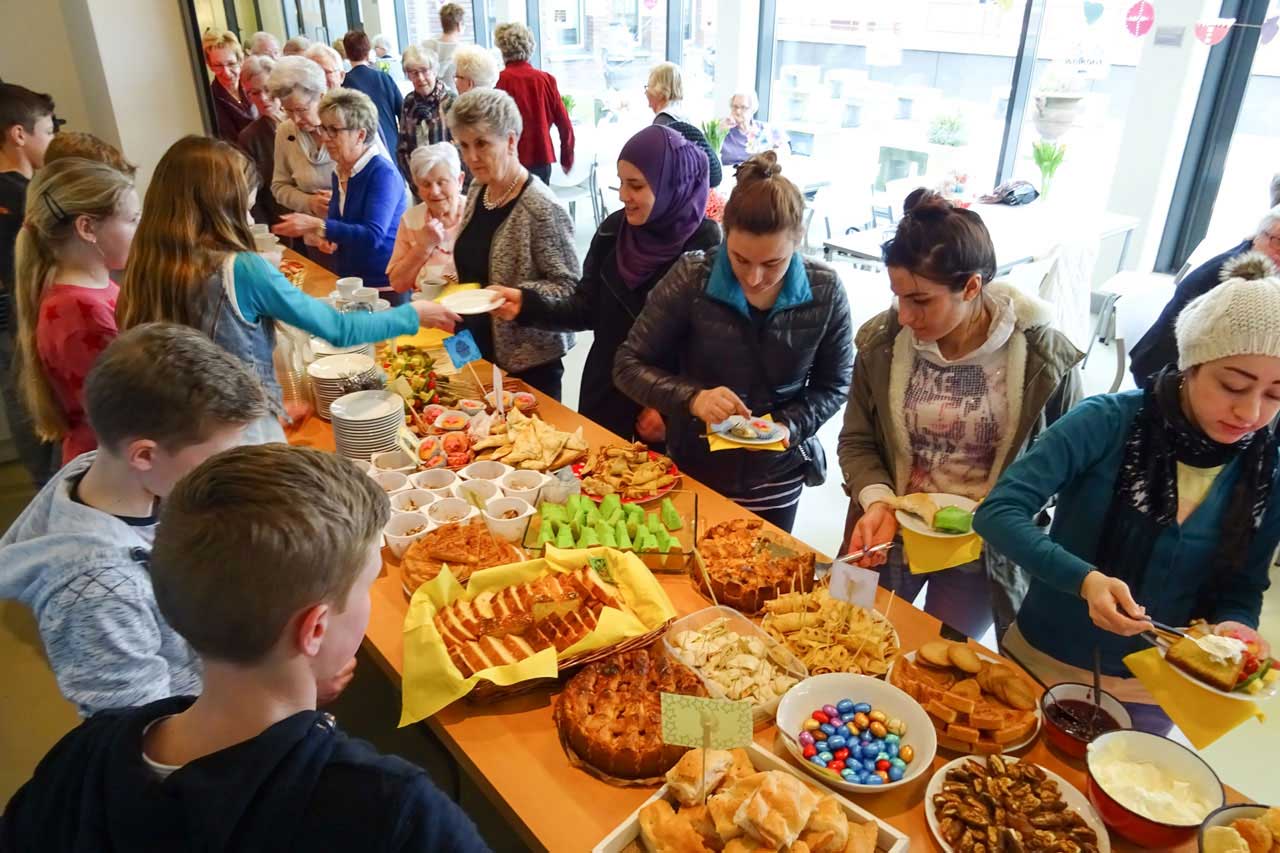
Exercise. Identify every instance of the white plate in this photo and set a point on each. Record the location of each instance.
(339, 367)
(1240, 696)
(1008, 747)
(915, 523)
(1076, 801)
(778, 432)
(364, 406)
(472, 301)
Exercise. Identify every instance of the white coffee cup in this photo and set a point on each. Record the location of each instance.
(347, 287)
(366, 295)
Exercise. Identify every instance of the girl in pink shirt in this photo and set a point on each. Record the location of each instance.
(81, 215)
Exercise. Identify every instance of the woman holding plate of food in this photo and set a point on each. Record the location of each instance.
(950, 385)
(1167, 499)
(752, 327)
(663, 188)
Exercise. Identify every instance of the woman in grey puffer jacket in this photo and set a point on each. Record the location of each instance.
(751, 329)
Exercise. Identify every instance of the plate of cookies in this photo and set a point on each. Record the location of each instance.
(978, 703)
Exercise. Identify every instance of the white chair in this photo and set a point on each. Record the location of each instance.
(1131, 302)
(580, 183)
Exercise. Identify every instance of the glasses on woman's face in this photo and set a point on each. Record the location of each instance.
(330, 130)
(424, 73)
(225, 66)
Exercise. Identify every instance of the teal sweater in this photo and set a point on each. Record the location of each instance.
(1078, 459)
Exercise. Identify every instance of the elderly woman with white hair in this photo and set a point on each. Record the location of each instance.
(474, 68)
(303, 168)
(665, 93)
(538, 98)
(332, 63)
(367, 194)
(424, 243)
(748, 137)
(1158, 347)
(513, 234)
(422, 113)
(264, 44)
(296, 46)
(258, 140)
(232, 110)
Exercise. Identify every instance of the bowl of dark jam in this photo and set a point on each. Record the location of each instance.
(1072, 719)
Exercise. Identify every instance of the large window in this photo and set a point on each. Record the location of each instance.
(880, 96)
(422, 21)
(698, 60)
(1078, 101)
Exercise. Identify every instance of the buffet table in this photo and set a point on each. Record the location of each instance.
(510, 748)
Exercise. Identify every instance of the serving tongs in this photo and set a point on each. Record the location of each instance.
(1162, 636)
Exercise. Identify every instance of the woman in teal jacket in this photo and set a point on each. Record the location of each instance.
(1164, 506)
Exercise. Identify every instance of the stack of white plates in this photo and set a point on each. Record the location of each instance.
(321, 348)
(367, 422)
(329, 374)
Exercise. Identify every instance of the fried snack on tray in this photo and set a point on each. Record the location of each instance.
(1007, 805)
(746, 810)
(610, 712)
(530, 444)
(747, 567)
(985, 713)
(628, 471)
(830, 635)
(508, 625)
(465, 548)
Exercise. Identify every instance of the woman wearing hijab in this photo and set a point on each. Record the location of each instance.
(664, 193)
(1187, 471)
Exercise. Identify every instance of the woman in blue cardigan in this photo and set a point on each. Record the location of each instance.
(368, 195)
(1186, 473)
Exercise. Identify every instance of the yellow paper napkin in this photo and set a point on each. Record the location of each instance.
(719, 442)
(1203, 715)
(927, 554)
(431, 680)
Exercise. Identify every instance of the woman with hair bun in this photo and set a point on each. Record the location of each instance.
(753, 328)
(949, 387)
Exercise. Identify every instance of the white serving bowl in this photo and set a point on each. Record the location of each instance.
(799, 703)
(397, 531)
(365, 466)
(438, 481)
(394, 460)
(485, 470)
(391, 481)
(526, 485)
(484, 490)
(413, 500)
(508, 529)
(451, 511)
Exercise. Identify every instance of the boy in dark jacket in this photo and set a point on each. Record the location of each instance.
(263, 560)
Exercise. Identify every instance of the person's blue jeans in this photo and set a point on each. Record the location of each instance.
(1149, 718)
(960, 597)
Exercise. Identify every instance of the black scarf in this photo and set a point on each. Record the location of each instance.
(1145, 502)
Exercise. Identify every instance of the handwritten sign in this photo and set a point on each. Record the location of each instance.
(462, 348)
(707, 723)
(854, 585)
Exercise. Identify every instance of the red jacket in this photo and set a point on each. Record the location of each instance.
(538, 99)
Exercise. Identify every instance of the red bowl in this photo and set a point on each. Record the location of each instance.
(1178, 762)
(1061, 738)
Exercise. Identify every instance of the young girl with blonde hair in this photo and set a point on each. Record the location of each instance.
(193, 262)
(80, 220)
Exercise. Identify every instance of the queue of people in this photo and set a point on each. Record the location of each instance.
(159, 400)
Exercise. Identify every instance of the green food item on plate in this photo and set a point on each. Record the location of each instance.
(564, 536)
(553, 512)
(607, 539)
(634, 512)
(621, 535)
(653, 523)
(670, 517)
(546, 533)
(588, 539)
(609, 503)
(664, 539)
(953, 519)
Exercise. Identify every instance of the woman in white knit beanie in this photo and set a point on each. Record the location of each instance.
(1165, 506)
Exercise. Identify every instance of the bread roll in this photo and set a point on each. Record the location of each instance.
(687, 779)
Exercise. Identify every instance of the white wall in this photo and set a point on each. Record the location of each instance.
(380, 19)
(35, 52)
(1166, 88)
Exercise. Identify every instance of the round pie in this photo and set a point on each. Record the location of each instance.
(746, 568)
(610, 713)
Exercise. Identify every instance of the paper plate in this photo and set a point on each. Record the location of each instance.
(471, 301)
(777, 432)
(1076, 801)
(916, 524)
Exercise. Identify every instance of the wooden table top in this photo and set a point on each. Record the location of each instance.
(510, 747)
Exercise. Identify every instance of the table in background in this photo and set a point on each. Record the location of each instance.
(510, 748)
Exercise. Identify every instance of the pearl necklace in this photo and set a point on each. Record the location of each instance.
(506, 194)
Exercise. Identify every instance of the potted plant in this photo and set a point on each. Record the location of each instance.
(1048, 157)
(715, 131)
(1059, 100)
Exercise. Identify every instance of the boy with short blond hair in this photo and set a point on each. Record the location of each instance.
(263, 562)
(161, 399)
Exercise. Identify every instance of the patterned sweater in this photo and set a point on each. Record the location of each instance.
(84, 575)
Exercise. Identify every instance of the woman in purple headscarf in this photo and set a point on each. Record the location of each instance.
(664, 195)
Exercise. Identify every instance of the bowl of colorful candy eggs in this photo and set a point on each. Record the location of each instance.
(856, 733)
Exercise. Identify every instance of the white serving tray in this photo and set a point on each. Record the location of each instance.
(890, 841)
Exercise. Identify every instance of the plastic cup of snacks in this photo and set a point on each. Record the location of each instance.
(404, 529)
(507, 518)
